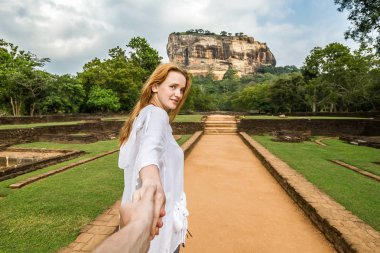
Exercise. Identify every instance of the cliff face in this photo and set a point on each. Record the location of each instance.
(200, 53)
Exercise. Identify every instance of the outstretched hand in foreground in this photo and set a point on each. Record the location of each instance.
(138, 219)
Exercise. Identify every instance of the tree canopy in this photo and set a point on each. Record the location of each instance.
(365, 20)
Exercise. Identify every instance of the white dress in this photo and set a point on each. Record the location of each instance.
(151, 142)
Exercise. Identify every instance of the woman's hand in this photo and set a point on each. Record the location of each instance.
(150, 177)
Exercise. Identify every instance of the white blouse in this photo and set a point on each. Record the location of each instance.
(151, 142)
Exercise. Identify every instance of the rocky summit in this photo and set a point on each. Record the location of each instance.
(200, 53)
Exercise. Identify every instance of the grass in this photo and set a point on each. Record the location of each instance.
(91, 149)
(356, 192)
(297, 117)
(40, 124)
(188, 118)
(48, 214)
(183, 139)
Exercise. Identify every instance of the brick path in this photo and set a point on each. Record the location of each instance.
(94, 233)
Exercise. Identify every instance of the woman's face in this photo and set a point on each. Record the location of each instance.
(170, 92)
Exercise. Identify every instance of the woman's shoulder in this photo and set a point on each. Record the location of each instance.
(155, 112)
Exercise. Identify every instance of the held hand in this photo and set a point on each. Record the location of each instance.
(141, 209)
(159, 204)
(150, 176)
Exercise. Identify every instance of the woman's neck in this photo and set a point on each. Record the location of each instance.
(154, 101)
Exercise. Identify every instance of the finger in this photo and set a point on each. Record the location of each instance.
(157, 231)
(160, 224)
(159, 204)
(162, 213)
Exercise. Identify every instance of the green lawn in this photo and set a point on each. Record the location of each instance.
(48, 214)
(188, 118)
(179, 118)
(296, 117)
(40, 124)
(356, 192)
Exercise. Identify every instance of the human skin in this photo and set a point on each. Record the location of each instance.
(170, 92)
(138, 217)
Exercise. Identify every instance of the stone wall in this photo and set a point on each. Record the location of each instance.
(47, 118)
(102, 129)
(337, 114)
(325, 127)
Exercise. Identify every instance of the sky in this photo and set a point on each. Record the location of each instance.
(73, 32)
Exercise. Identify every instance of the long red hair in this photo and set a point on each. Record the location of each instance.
(156, 78)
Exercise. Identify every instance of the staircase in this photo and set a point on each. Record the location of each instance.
(220, 124)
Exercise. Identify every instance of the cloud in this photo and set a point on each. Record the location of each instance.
(73, 32)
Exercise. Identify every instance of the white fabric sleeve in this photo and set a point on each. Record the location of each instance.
(152, 143)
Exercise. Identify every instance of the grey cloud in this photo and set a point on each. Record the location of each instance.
(73, 34)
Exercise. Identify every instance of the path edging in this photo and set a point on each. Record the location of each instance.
(356, 169)
(344, 230)
(105, 224)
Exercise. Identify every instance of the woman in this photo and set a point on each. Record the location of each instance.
(150, 155)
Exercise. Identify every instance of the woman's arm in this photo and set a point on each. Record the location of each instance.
(150, 176)
(138, 217)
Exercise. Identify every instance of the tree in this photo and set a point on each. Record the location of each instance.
(365, 19)
(223, 33)
(285, 95)
(143, 55)
(21, 77)
(255, 97)
(230, 74)
(36, 86)
(65, 95)
(277, 70)
(122, 74)
(337, 80)
(103, 100)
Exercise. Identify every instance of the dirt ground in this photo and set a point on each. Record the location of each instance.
(237, 206)
(29, 154)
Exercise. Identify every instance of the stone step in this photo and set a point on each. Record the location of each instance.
(212, 133)
(220, 118)
(220, 122)
(220, 125)
(221, 128)
(220, 131)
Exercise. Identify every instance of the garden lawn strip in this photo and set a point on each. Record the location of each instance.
(91, 150)
(319, 141)
(53, 172)
(356, 193)
(360, 171)
(40, 124)
(48, 214)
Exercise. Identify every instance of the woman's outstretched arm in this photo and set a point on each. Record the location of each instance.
(150, 176)
(137, 217)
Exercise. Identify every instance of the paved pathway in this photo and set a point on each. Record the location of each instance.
(237, 206)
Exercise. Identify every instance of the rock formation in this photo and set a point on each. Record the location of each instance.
(200, 53)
